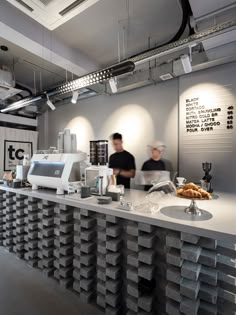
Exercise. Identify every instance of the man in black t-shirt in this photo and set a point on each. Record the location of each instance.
(154, 163)
(122, 162)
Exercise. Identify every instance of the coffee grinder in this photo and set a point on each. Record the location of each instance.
(207, 177)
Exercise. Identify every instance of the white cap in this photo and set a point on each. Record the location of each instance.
(157, 145)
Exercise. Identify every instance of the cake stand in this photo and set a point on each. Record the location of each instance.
(193, 209)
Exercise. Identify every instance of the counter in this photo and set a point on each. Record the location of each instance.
(220, 226)
(128, 262)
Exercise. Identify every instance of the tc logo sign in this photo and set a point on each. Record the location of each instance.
(14, 153)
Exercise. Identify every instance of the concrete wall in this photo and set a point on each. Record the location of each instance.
(142, 115)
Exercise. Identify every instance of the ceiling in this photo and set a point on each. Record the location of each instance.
(96, 30)
(30, 70)
(202, 7)
(52, 13)
(129, 27)
(105, 33)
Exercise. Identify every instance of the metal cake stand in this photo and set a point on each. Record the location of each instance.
(193, 208)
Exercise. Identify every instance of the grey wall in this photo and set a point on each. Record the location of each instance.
(151, 113)
(141, 115)
(216, 88)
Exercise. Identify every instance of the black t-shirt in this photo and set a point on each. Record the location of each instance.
(152, 165)
(124, 161)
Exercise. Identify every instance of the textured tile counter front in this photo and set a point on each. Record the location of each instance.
(124, 266)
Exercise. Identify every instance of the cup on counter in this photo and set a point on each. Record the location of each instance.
(121, 189)
(180, 181)
(85, 192)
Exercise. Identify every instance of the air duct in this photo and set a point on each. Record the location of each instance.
(125, 67)
(85, 81)
(184, 43)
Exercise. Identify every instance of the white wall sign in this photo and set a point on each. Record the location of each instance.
(14, 143)
(201, 117)
(14, 153)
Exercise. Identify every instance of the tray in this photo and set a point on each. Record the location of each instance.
(213, 197)
(190, 198)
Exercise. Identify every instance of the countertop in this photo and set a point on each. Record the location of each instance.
(218, 221)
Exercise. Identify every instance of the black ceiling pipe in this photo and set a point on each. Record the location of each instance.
(186, 11)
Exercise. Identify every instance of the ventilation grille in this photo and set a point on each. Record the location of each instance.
(71, 7)
(26, 6)
(166, 76)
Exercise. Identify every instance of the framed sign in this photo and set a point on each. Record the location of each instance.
(14, 152)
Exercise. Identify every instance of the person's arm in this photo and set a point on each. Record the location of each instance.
(131, 169)
(128, 173)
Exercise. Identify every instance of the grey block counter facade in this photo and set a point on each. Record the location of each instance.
(124, 266)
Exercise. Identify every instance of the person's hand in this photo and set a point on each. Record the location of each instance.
(116, 171)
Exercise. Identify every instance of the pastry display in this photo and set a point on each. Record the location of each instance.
(190, 186)
(193, 191)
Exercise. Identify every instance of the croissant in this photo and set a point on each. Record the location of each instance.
(180, 191)
(204, 193)
(190, 193)
(190, 186)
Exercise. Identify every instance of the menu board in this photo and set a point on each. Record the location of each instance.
(204, 118)
(207, 126)
(207, 120)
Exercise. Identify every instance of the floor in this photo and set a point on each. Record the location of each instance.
(26, 291)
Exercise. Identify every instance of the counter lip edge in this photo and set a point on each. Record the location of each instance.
(128, 215)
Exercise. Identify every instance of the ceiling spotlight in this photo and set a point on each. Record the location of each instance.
(182, 65)
(186, 63)
(75, 96)
(50, 104)
(113, 84)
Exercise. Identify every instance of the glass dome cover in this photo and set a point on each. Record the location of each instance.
(154, 195)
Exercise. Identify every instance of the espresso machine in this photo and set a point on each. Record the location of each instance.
(56, 170)
(98, 175)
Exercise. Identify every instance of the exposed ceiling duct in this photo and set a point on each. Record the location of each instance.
(85, 81)
(207, 13)
(185, 43)
(104, 75)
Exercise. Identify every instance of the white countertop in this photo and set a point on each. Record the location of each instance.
(219, 223)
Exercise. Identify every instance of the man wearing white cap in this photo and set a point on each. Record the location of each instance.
(154, 163)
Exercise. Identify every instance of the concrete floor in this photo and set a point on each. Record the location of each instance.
(26, 291)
